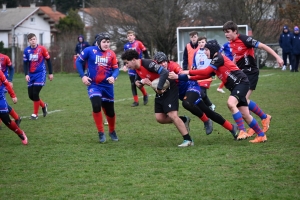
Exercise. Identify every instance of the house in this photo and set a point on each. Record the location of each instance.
(17, 23)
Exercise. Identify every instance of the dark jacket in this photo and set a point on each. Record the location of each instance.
(80, 46)
(285, 41)
(296, 44)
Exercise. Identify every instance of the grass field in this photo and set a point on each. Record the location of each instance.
(64, 159)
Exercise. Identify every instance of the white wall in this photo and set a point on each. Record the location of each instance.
(37, 27)
(4, 39)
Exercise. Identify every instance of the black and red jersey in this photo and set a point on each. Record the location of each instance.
(242, 49)
(225, 69)
(151, 70)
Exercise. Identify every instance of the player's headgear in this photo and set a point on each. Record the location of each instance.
(160, 57)
(213, 47)
(100, 37)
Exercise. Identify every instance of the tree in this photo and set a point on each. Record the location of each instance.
(155, 21)
(289, 13)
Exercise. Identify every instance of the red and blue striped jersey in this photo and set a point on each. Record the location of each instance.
(36, 58)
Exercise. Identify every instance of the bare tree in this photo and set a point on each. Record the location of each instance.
(155, 22)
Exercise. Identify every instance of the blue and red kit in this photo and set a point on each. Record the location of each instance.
(227, 50)
(5, 64)
(34, 64)
(139, 47)
(4, 85)
(101, 65)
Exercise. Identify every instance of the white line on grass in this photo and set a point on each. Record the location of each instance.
(49, 112)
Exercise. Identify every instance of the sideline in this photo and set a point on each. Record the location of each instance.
(41, 114)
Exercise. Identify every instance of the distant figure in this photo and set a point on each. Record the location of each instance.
(285, 42)
(34, 60)
(296, 49)
(80, 46)
(189, 51)
(141, 49)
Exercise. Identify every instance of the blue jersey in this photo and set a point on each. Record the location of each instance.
(139, 47)
(101, 64)
(36, 58)
(227, 51)
(200, 60)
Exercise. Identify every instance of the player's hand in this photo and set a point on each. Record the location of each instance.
(125, 69)
(15, 100)
(138, 84)
(159, 91)
(146, 81)
(185, 72)
(111, 80)
(50, 77)
(27, 78)
(86, 80)
(173, 75)
(279, 61)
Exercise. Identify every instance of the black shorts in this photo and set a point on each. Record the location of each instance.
(253, 79)
(239, 92)
(168, 101)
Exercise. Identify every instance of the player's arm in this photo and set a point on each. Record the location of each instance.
(163, 74)
(185, 59)
(7, 86)
(146, 55)
(26, 67)
(272, 52)
(11, 70)
(202, 73)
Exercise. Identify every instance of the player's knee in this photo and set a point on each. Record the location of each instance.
(186, 104)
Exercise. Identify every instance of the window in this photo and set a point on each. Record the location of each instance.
(32, 20)
(41, 39)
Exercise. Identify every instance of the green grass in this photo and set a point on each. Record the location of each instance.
(64, 159)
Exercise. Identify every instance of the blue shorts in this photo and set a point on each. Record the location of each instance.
(105, 92)
(188, 86)
(3, 106)
(37, 79)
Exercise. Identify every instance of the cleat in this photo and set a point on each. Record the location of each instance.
(242, 135)
(259, 139)
(266, 123)
(102, 137)
(186, 143)
(24, 139)
(208, 127)
(18, 121)
(34, 117)
(283, 68)
(134, 104)
(145, 98)
(250, 132)
(220, 90)
(105, 122)
(114, 136)
(235, 131)
(212, 107)
(45, 110)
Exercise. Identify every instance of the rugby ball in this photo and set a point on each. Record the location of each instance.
(154, 84)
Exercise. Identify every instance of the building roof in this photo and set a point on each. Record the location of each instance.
(16, 16)
(52, 13)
